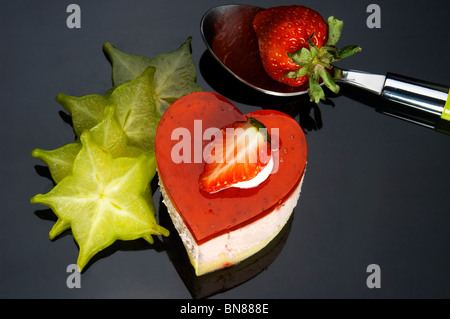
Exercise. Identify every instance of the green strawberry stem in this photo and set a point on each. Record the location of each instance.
(316, 62)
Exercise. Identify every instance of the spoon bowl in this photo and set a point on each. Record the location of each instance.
(228, 33)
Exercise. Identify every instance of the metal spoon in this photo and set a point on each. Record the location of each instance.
(227, 31)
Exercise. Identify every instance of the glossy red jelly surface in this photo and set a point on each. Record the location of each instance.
(210, 215)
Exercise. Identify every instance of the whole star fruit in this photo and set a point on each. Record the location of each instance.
(175, 72)
(104, 200)
(108, 134)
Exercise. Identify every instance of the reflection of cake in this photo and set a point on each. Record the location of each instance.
(228, 226)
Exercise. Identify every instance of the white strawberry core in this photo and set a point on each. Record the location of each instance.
(259, 178)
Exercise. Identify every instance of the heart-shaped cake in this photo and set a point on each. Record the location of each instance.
(226, 210)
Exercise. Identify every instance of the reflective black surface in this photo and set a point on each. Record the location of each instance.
(375, 192)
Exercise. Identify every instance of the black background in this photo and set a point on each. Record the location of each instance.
(375, 192)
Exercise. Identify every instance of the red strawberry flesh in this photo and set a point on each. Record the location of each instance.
(238, 154)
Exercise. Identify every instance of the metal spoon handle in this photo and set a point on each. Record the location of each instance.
(421, 102)
(417, 101)
(424, 96)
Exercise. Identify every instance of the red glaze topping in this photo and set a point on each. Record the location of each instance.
(180, 136)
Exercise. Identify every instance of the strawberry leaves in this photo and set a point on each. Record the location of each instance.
(317, 62)
(334, 30)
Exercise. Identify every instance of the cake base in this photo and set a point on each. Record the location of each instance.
(236, 245)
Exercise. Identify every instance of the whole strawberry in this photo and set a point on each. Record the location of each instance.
(297, 46)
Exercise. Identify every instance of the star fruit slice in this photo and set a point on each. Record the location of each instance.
(175, 72)
(104, 200)
(134, 108)
(108, 134)
(60, 160)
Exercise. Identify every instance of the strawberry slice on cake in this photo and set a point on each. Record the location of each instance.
(240, 157)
